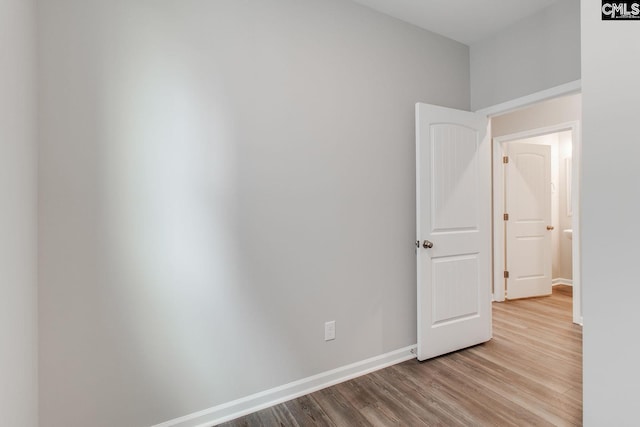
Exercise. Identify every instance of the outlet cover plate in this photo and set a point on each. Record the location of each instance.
(330, 330)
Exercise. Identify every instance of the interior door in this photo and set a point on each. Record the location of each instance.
(453, 173)
(528, 229)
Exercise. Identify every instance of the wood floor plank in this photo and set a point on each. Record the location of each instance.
(529, 374)
(306, 411)
(427, 380)
(338, 409)
(376, 405)
(416, 398)
(511, 389)
(513, 386)
(470, 401)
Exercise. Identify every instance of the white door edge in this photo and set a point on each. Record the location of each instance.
(498, 207)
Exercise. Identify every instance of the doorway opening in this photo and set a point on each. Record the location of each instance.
(536, 211)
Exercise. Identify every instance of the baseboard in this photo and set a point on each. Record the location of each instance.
(255, 402)
(561, 281)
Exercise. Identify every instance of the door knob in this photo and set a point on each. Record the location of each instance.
(550, 227)
(427, 244)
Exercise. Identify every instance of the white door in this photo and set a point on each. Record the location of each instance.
(528, 228)
(453, 169)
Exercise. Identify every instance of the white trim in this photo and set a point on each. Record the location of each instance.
(561, 281)
(524, 101)
(498, 208)
(255, 402)
(576, 189)
(498, 255)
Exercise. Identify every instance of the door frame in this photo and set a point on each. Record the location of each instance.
(498, 145)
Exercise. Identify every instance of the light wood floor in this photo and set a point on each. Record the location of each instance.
(530, 373)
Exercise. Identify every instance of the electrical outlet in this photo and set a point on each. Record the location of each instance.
(330, 330)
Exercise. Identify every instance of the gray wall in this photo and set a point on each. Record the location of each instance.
(609, 216)
(537, 53)
(217, 180)
(541, 115)
(18, 251)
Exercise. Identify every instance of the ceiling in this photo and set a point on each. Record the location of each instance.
(466, 21)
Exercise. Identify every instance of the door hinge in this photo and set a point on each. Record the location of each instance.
(505, 159)
(506, 217)
(506, 274)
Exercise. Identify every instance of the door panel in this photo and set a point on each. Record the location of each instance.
(452, 176)
(455, 288)
(453, 212)
(528, 202)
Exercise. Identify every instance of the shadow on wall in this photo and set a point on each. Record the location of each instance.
(218, 180)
